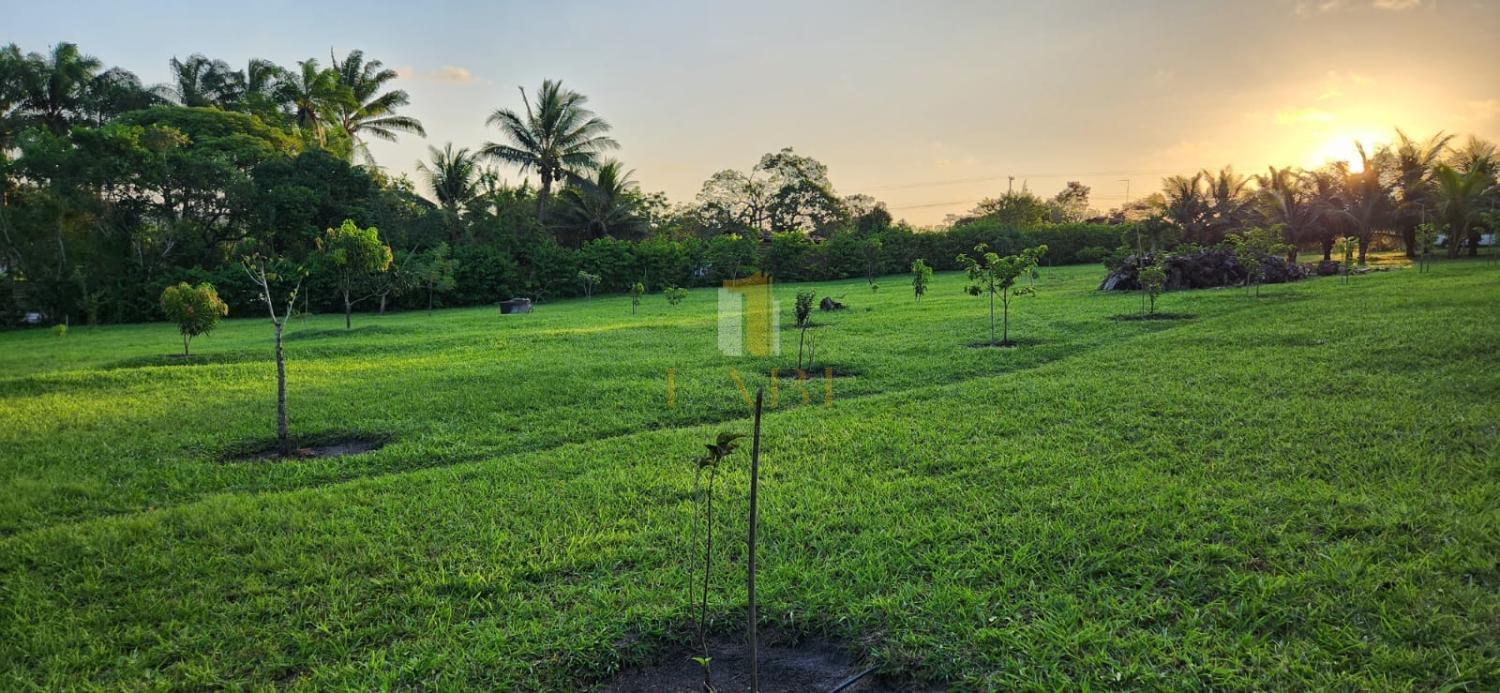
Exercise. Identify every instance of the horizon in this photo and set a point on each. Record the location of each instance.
(1199, 88)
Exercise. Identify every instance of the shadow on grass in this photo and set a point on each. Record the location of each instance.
(294, 334)
(1131, 317)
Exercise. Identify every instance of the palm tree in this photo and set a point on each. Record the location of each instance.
(1326, 194)
(1287, 200)
(559, 137)
(199, 81)
(367, 111)
(1229, 203)
(313, 94)
(605, 205)
(1413, 162)
(453, 177)
(58, 84)
(1461, 201)
(1186, 205)
(1367, 196)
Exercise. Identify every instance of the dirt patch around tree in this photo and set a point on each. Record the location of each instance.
(786, 665)
(1129, 317)
(815, 373)
(332, 445)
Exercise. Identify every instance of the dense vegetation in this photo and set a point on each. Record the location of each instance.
(112, 190)
(1282, 494)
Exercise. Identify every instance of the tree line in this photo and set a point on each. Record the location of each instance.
(112, 190)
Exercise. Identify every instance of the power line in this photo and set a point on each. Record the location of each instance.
(986, 179)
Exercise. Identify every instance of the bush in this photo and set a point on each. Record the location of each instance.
(1201, 268)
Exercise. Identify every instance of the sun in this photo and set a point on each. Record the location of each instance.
(1343, 148)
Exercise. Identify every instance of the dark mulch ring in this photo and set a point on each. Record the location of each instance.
(1001, 344)
(1154, 316)
(818, 372)
(785, 665)
(326, 445)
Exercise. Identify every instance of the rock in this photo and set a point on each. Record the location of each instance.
(515, 306)
(829, 304)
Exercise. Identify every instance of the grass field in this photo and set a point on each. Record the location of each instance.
(1291, 492)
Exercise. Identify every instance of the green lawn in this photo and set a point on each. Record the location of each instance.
(1291, 492)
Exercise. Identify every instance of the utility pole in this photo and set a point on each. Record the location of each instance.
(1126, 181)
(1010, 184)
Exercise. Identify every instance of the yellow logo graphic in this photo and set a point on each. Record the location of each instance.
(749, 318)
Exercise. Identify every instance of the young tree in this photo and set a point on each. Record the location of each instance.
(803, 312)
(434, 272)
(589, 280)
(1153, 281)
(1252, 247)
(1423, 237)
(724, 444)
(994, 275)
(195, 309)
(674, 294)
(636, 291)
(354, 256)
(872, 249)
(921, 276)
(1349, 245)
(265, 273)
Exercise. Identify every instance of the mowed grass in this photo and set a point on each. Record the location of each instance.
(1297, 491)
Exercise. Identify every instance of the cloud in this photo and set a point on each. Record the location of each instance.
(1305, 114)
(449, 74)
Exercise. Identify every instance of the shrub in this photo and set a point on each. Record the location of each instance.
(675, 294)
(993, 275)
(195, 309)
(921, 276)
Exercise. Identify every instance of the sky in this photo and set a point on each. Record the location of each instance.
(928, 106)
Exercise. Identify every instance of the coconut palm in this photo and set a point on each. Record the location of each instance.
(453, 177)
(1461, 197)
(367, 111)
(313, 94)
(1187, 205)
(199, 81)
(605, 205)
(1229, 203)
(1287, 199)
(558, 137)
(57, 86)
(1412, 163)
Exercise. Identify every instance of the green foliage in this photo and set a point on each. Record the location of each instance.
(721, 448)
(195, 309)
(1153, 281)
(1423, 237)
(992, 275)
(636, 291)
(1253, 246)
(588, 280)
(1348, 246)
(60, 329)
(434, 271)
(674, 294)
(921, 276)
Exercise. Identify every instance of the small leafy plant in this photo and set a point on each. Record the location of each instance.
(674, 294)
(195, 309)
(921, 276)
(1252, 247)
(636, 291)
(1349, 245)
(993, 275)
(708, 466)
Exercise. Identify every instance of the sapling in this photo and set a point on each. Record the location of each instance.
(1425, 235)
(1252, 247)
(674, 294)
(636, 291)
(994, 275)
(435, 272)
(263, 273)
(724, 444)
(921, 276)
(1153, 280)
(195, 309)
(804, 319)
(1349, 245)
(589, 280)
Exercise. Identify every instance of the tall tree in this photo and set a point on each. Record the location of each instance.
(1287, 201)
(1461, 197)
(58, 85)
(557, 137)
(368, 110)
(1229, 202)
(1367, 196)
(199, 81)
(1187, 205)
(314, 95)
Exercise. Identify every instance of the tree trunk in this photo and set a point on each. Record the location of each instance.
(992, 317)
(542, 194)
(382, 304)
(429, 300)
(1409, 240)
(185, 339)
(1328, 249)
(1474, 243)
(1364, 247)
(1005, 322)
(348, 310)
(284, 442)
